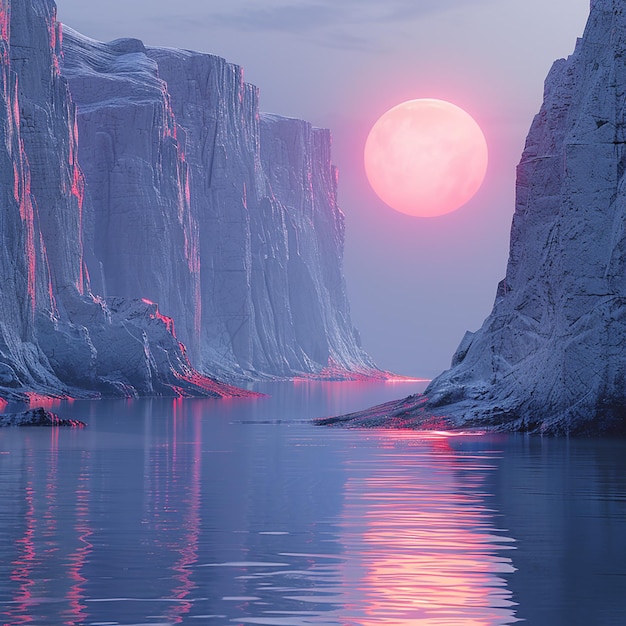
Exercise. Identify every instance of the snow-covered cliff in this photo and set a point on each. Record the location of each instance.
(551, 356)
(56, 337)
(171, 141)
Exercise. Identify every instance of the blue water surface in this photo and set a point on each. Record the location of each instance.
(242, 512)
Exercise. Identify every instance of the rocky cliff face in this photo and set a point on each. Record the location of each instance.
(172, 141)
(141, 238)
(56, 337)
(550, 357)
(302, 188)
(18, 296)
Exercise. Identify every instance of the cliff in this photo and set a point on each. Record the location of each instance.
(233, 215)
(302, 185)
(550, 356)
(56, 337)
(141, 238)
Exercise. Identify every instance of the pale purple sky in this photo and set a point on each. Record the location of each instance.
(415, 284)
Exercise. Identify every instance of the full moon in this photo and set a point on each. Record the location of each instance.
(426, 157)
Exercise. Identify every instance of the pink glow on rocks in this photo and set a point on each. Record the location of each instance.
(205, 385)
(55, 43)
(192, 383)
(4, 20)
(77, 190)
(37, 399)
(28, 219)
(78, 185)
(53, 32)
(170, 128)
(168, 321)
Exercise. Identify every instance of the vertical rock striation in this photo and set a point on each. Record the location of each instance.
(259, 199)
(302, 185)
(142, 239)
(550, 357)
(175, 202)
(20, 242)
(217, 115)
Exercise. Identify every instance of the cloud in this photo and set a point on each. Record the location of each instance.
(309, 16)
(330, 23)
(294, 18)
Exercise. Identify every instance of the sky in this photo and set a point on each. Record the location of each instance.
(415, 284)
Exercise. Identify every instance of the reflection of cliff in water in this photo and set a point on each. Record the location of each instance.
(565, 504)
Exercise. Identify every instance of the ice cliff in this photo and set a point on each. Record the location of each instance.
(225, 217)
(551, 356)
(57, 337)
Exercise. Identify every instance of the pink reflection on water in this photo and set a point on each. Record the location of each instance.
(26, 561)
(188, 552)
(340, 394)
(51, 494)
(77, 613)
(40, 543)
(174, 468)
(425, 551)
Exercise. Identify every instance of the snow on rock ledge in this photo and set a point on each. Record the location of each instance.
(550, 357)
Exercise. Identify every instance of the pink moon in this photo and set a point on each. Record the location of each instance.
(426, 157)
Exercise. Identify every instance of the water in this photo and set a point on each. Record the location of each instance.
(239, 512)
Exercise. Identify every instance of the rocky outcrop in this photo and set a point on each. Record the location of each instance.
(550, 357)
(241, 208)
(56, 337)
(38, 417)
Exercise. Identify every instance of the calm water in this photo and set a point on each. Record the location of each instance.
(238, 512)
